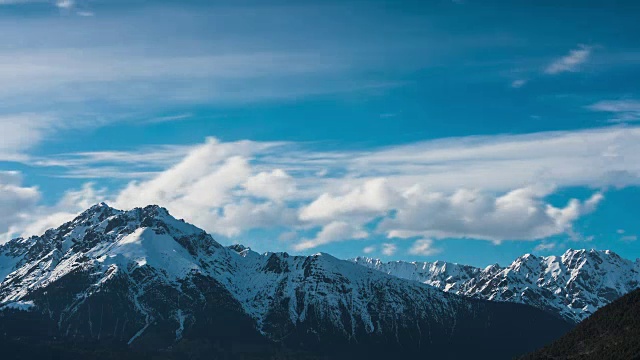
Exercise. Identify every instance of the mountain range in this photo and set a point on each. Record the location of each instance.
(112, 283)
(573, 285)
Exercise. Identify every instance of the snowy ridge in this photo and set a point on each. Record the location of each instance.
(327, 285)
(107, 241)
(573, 285)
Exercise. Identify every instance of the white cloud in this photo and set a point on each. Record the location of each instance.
(373, 197)
(332, 232)
(629, 238)
(22, 214)
(69, 206)
(571, 62)
(236, 218)
(423, 247)
(389, 249)
(65, 4)
(505, 162)
(206, 187)
(17, 2)
(214, 186)
(520, 214)
(128, 78)
(151, 156)
(516, 84)
(17, 201)
(288, 236)
(369, 249)
(21, 132)
(81, 65)
(203, 178)
(276, 185)
(544, 246)
(623, 110)
(594, 158)
(461, 187)
(169, 118)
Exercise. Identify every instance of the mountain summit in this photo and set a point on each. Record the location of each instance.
(142, 280)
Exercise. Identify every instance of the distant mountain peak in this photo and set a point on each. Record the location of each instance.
(573, 285)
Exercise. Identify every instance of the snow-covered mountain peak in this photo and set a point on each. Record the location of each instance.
(106, 241)
(573, 285)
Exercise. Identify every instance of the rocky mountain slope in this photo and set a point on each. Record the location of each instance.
(573, 285)
(142, 280)
(613, 332)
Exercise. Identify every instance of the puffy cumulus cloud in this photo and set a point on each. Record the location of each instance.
(214, 187)
(236, 218)
(17, 201)
(199, 184)
(423, 247)
(520, 214)
(276, 185)
(203, 177)
(420, 190)
(332, 232)
(372, 197)
(389, 249)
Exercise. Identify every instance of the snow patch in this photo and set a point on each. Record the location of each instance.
(19, 305)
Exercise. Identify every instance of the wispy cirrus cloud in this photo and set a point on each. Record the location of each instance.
(494, 163)
(516, 84)
(19, 2)
(627, 110)
(369, 250)
(629, 238)
(545, 246)
(570, 62)
(22, 131)
(66, 7)
(423, 247)
(124, 78)
(169, 118)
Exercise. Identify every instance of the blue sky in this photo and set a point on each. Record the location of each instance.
(468, 131)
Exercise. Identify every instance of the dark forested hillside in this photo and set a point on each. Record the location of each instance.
(613, 332)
